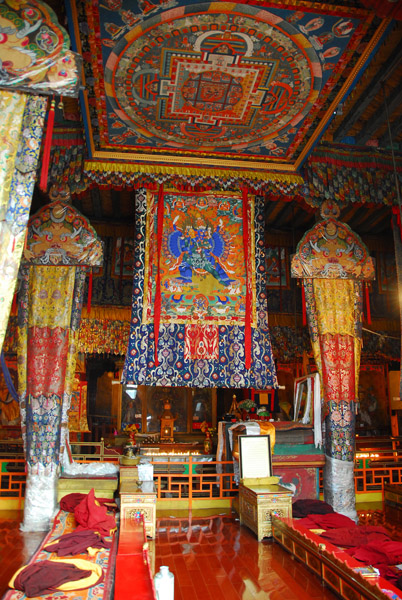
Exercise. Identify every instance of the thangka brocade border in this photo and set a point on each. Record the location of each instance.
(228, 369)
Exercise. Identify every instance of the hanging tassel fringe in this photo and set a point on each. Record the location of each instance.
(303, 304)
(158, 295)
(89, 293)
(368, 311)
(47, 147)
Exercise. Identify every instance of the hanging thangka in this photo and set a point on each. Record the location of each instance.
(199, 313)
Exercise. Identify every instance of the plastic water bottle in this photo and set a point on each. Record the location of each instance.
(164, 584)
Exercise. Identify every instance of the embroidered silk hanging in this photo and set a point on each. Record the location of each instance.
(61, 245)
(333, 261)
(203, 285)
(21, 121)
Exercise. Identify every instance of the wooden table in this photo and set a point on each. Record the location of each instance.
(139, 498)
(393, 502)
(257, 504)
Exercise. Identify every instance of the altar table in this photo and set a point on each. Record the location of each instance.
(258, 503)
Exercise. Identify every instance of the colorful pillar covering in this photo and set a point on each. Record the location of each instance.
(35, 59)
(35, 50)
(61, 246)
(203, 276)
(21, 123)
(332, 261)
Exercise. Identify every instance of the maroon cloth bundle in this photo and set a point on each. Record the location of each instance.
(77, 542)
(329, 521)
(46, 576)
(359, 535)
(70, 501)
(377, 553)
(310, 506)
(89, 514)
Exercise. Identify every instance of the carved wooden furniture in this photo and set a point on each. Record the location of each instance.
(334, 566)
(139, 498)
(393, 502)
(258, 503)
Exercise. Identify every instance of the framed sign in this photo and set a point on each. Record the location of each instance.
(255, 456)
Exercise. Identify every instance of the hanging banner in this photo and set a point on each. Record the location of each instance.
(203, 287)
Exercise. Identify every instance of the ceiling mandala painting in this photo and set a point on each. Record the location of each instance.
(230, 84)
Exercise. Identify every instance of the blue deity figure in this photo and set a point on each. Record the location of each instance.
(199, 248)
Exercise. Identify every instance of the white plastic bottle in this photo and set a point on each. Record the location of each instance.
(164, 584)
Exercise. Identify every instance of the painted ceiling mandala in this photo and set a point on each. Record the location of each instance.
(213, 82)
(230, 81)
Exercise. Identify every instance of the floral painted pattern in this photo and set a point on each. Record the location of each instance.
(18, 175)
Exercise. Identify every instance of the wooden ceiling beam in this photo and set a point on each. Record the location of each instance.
(97, 204)
(375, 216)
(271, 211)
(380, 117)
(283, 216)
(348, 212)
(369, 94)
(115, 195)
(355, 221)
(396, 130)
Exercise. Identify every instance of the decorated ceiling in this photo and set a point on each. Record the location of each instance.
(247, 85)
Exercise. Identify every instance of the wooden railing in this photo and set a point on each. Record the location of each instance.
(372, 478)
(98, 451)
(182, 481)
(12, 479)
(194, 479)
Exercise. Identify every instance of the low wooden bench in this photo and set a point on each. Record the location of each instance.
(331, 564)
(104, 487)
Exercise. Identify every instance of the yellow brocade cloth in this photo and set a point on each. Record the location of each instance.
(335, 305)
(335, 302)
(51, 296)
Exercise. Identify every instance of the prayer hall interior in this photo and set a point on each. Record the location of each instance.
(200, 306)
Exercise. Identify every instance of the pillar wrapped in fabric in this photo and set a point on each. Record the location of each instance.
(333, 263)
(61, 246)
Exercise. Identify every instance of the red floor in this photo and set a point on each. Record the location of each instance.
(214, 558)
(211, 557)
(15, 547)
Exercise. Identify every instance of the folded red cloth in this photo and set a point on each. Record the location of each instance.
(328, 521)
(89, 514)
(359, 535)
(379, 553)
(70, 501)
(304, 507)
(46, 576)
(77, 542)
